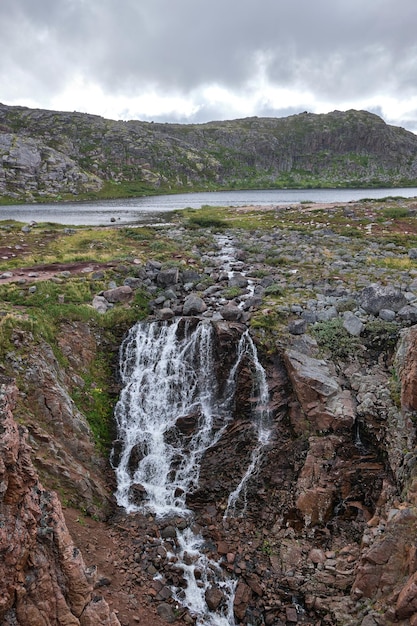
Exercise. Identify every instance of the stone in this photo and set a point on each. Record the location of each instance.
(194, 305)
(352, 324)
(242, 598)
(231, 313)
(297, 327)
(214, 597)
(376, 297)
(166, 612)
(168, 277)
(100, 304)
(387, 315)
(408, 313)
(118, 294)
(166, 313)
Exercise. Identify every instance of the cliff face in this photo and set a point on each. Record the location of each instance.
(43, 576)
(48, 153)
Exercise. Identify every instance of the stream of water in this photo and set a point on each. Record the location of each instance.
(169, 413)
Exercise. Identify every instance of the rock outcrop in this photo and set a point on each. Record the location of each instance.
(43, 576)
(45, 153)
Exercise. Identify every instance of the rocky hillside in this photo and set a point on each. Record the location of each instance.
(327, 532)
(50, 154)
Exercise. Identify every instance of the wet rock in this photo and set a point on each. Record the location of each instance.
(214, 597)
(242, 599)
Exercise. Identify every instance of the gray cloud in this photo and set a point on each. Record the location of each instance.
(338, 51)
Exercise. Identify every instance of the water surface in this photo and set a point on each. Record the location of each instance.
(154, 209)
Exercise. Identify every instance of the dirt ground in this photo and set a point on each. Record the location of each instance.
(109, 547)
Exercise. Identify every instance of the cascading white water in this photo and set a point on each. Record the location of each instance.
(169, 413)
(168, 375)
(261, 420)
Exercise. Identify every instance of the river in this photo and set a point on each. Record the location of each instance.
(154, 209)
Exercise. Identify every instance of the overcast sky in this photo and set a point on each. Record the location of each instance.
(201, 60)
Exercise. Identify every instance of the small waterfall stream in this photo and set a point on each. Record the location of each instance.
(169, 413)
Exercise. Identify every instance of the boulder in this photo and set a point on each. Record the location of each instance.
(376, 297)
(118, 294)
(231, 313)
(168, 277)
(352, 324)
(194, 305)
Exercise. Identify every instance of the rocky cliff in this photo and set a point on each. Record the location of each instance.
(45, 154)
(44, 579)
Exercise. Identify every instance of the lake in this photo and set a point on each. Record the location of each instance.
(153, 209)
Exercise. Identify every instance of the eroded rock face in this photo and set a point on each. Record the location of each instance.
(43, 578)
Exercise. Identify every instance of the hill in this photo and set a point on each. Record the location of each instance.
(49, 154)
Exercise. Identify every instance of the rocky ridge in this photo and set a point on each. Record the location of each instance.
(49, 154)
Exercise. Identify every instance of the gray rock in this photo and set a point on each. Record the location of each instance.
(166, 612)
(194, 305)
(231, 313)
(352, 324)
(100, 304)
(238, 280)
(297, 327)
(166, 313)
(387, 315)
(119, 294)
(408, 313)
(376, 297)
(327, 314)
(133, 282)
(168, 277)
(412, 253)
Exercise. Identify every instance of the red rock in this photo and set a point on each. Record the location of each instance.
(42, 573)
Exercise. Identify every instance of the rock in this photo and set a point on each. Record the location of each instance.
(352, 324)
(407, 600)
(238, 280)
(412, 253)
(118, 294)
(406, 361)
(100, 304)
(242, 598)
(168, 277)
(214, 597)
(231, 313)
(166, 313)
(408, 313)
(297, 327)
(387, 315)
(166, 612)
(194, 305)
(376, 297)
(42, 573)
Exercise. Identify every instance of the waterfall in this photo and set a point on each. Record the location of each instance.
(261, 420)
(169, 413)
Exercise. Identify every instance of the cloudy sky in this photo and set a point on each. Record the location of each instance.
(201, 60)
